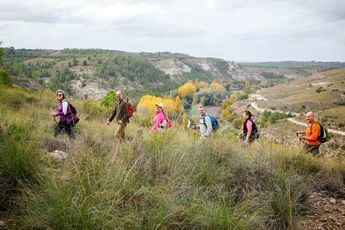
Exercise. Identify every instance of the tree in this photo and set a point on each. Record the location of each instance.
(4, 78)
(217, 86)
(84, 63)
(147, 104)
(187, 89)
(75, 62)
(109, 99)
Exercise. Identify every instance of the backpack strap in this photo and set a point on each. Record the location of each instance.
(204, 120)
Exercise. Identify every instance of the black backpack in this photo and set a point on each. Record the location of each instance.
(255, 131)
(323, 137)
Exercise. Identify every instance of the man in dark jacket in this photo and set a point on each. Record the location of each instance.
(120, 114)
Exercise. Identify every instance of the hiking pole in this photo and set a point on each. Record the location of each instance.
(53, 118)
(63, 127)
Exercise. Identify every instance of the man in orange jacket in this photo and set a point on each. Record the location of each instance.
(311, 134)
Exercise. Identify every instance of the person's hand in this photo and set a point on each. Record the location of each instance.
(53, 114)
(108, 122)
(119, 122)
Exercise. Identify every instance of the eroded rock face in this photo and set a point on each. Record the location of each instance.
(91, 89)
(173, 67)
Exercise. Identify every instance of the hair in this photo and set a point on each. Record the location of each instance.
(63, 93)
(201, 107)
(247, 112)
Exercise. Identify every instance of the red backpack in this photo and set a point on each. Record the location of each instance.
(72, 117)
(130, 109)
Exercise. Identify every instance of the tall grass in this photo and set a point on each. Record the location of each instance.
(164, 181)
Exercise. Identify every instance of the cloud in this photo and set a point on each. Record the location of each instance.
(232, 29)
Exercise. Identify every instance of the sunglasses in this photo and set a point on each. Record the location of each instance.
(59, 94)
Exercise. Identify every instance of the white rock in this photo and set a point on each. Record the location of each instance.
(58, 154)
(333, 201)
(342, 202)
(2, 224)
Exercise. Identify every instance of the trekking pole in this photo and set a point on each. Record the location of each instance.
(63, 127)
(53, 118)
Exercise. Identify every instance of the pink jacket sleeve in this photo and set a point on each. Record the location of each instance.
(249, 127)
(159, 118)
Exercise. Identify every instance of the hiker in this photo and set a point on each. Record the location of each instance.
(310, 135)
(249, 129)
(121, 116)
(207, 124)
(161, 121)
(62, 112)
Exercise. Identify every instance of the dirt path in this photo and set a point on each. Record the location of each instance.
(293, 120)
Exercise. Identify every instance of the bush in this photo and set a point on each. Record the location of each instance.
(19, 162)
(272, 118)
(109, 100)
(209, 97)
(4, 78)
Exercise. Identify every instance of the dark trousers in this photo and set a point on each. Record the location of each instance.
(314, 149)
(63, 127)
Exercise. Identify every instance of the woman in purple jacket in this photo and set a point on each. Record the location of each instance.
(62, 113)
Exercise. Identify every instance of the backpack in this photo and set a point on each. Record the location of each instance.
(323, 137)
(214, 122)
(130, 109)
(255, 131)
(72, 117)
(168, 122)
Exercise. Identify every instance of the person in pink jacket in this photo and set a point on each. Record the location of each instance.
(160, 122)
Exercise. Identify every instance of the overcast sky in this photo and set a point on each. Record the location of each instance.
(249, 30)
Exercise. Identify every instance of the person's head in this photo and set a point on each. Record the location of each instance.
(159, 107)
(60, 94)
(201, 110)
(119, 96)
(247, 114)
(310, 117)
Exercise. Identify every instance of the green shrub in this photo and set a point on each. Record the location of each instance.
(286, 200)
(272, 117)
(19, 162)
(109, 100)
(4, 78)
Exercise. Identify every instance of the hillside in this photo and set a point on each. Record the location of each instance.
(323, 93)
(164, 181)
(92, 72)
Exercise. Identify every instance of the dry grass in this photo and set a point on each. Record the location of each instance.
(166, 181)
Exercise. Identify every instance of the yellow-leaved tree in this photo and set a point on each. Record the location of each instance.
(147, 106)
(227, 111)
(188, 89)
(217, 86)
(201, 85)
